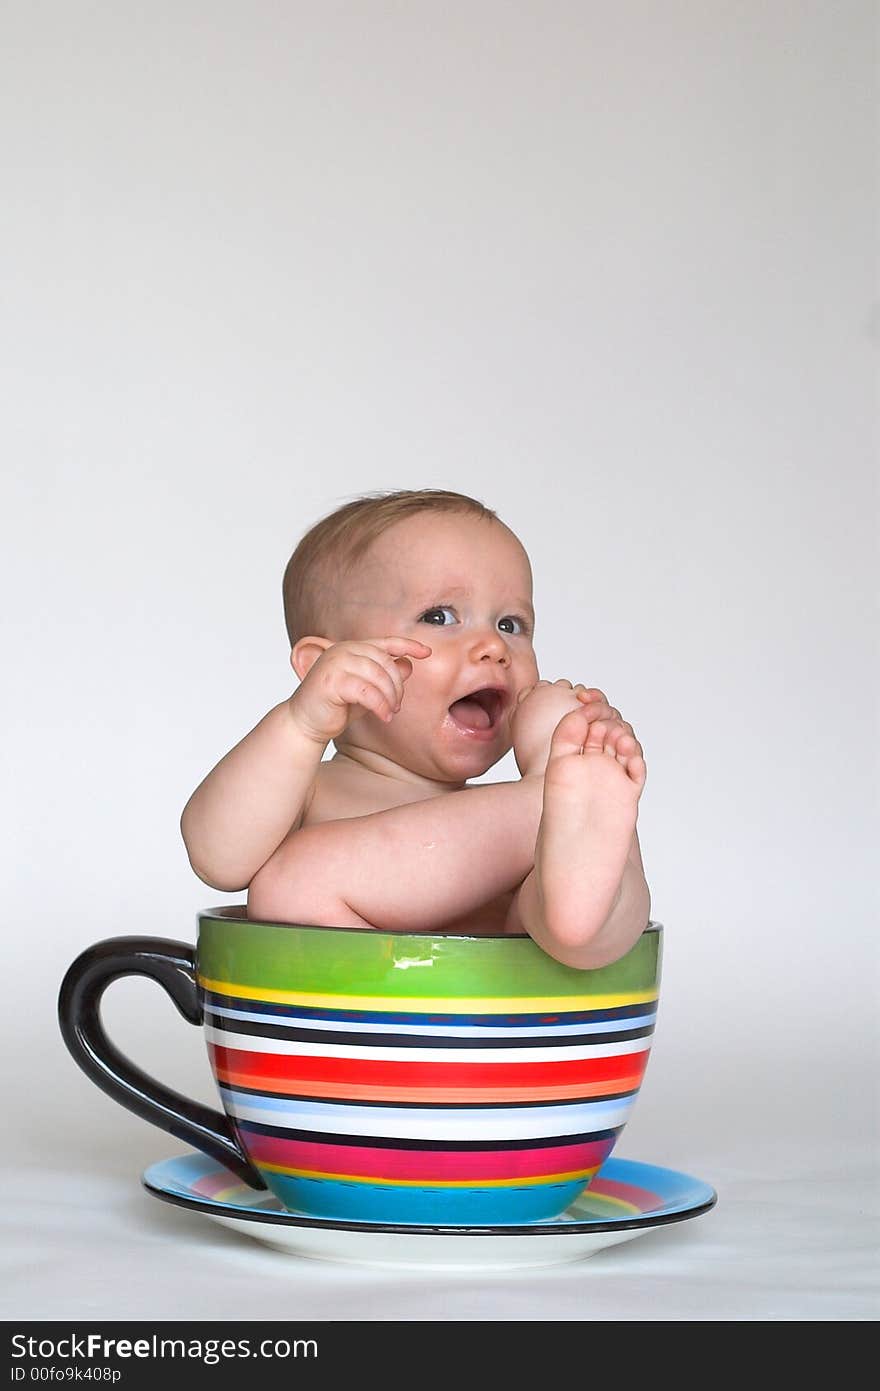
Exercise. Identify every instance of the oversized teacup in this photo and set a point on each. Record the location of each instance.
(387, 1076)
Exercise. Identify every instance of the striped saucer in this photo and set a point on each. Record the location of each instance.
(625, 1200)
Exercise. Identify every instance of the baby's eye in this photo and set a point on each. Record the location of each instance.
(519, 624)
(429, 616)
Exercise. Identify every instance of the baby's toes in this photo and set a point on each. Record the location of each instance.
(597, 737)
(636, 771)
(624, 748)
(569, 735)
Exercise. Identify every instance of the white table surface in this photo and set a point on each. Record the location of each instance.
(792, 1237)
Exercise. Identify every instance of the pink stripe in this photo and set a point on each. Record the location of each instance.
(395, 1164)
(221, 1181)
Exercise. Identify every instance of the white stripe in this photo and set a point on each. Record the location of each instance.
(527, 1122)
(251, 1043)
(444, 1030)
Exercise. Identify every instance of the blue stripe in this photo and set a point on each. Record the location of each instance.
(637, 1011)
(343, 1029)
(424, 1206)
(580, 1115)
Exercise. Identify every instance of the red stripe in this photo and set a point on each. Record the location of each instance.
(289, 1067)
(337, 1091)
(367, 1161)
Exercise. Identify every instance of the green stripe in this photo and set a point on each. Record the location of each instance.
(363, 962)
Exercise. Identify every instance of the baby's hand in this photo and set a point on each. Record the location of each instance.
(352, 677)
(539, 709)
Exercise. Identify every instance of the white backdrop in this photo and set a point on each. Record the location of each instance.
(609, 269)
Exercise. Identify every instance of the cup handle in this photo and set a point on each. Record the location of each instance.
(173, 965)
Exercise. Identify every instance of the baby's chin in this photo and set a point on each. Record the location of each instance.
(465, 764)
(451, 765)
(432, 755)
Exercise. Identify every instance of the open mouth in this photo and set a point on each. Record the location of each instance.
(478, 712)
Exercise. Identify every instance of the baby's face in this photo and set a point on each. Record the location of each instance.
(463, 585)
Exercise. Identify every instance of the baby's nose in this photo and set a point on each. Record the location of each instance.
(491, 645)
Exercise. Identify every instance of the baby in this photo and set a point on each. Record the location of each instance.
(411, 627)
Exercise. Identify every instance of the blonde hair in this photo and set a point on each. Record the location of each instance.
(336, 543)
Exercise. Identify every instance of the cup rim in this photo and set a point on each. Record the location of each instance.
(237, 912)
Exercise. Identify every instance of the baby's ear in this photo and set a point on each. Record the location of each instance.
(306, 653)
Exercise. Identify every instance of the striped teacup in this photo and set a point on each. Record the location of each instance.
(389, 1077)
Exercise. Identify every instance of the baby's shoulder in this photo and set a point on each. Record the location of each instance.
(327, 796)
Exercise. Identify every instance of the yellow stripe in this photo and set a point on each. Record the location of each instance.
(466, 1004)
(234, 1194)
(579, 1174)
(601, 1200)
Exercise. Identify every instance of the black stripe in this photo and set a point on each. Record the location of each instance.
(395, 1142)
(239, 1090)
(344, 1037)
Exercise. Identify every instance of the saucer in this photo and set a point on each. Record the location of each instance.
(624, 1200)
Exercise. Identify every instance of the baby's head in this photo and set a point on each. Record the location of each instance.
(439, 567)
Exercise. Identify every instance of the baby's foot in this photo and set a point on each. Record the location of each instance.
(537, 712)
(592, 784)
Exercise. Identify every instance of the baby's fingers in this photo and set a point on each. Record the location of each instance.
(401, 651)
(369, 684)
(402, 647)
(395, 656)
(368, 695)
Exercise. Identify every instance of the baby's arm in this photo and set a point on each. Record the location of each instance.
(239, 815)
(412, 868)
(243, 809)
